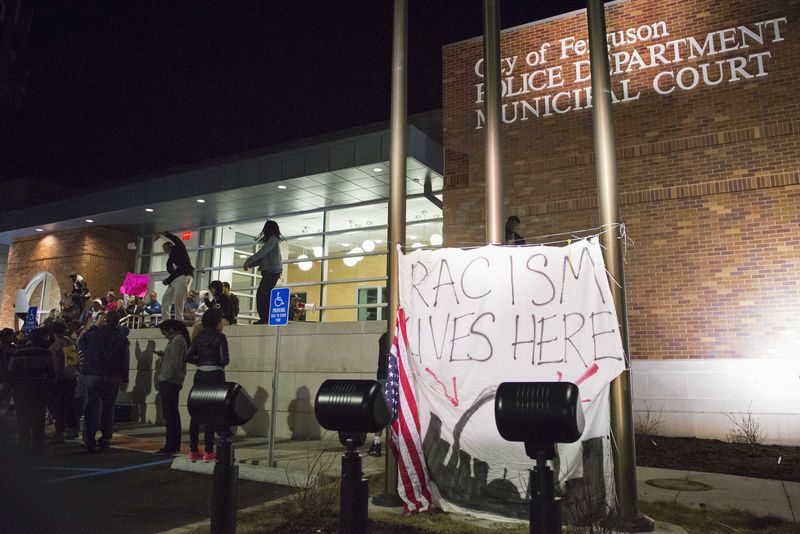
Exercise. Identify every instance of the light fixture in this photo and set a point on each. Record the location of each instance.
(377, 169)
(412, 237)
(417, 245)
(149, 210)
(201, 201)
(352, 259)
(40, 229)
(345, 244)
(281, 187)
(304, 265)
(379, 241)
(243, 256)
(317, 252)
(90, 220)
(436, 240)
(368, 245)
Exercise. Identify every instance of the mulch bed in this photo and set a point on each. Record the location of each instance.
(714, 456)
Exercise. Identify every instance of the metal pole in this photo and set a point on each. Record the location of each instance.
(274, 413)
(623, 444)
(493, 129)
(397, 206)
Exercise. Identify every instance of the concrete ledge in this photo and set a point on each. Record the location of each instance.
(256, 473)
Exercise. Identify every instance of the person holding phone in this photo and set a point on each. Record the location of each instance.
(171, 374)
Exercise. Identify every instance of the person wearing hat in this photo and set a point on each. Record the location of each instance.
(89, 314)
(79, 285)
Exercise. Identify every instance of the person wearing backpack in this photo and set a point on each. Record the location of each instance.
(65, 363)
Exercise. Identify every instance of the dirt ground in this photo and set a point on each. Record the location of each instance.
(714, 456)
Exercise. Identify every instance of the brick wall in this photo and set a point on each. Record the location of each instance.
(709, 179)
(99, 254)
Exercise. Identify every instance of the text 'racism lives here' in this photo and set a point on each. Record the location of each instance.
(450, 322)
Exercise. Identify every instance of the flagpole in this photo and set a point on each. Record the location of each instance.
(623, 445)
(397, 209)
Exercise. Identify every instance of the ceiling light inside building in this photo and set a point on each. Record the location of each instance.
(317, 252)
(352, 259)
(436, 240)
(304, 265)
(368, 245)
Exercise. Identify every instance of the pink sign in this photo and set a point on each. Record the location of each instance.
(135, 284)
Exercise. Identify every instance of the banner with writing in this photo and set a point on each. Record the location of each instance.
(480, 317)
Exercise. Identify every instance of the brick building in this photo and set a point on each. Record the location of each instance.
(707, 125)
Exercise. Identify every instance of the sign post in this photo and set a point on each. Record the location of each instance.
(278, 316)
(30, 321)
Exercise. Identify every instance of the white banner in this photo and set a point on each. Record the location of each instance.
(480, 317)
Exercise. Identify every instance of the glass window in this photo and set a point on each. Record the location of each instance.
(358, 217)
(372, 295)
(421, 209)
(427, 234)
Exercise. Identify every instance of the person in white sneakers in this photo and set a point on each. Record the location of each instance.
(180, 270)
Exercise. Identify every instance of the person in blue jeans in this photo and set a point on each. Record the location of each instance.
(209, 352)
(269, 261)
(105, 359)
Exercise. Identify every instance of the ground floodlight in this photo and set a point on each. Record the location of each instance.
(540, 414)
(351, 406)
(220, 405)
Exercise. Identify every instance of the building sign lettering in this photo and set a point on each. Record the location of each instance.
(534, 87)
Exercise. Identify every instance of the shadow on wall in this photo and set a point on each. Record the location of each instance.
(143, 383)
(259, 424)
(159, 418)
(302, 421)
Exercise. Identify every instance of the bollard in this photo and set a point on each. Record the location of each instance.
(223, 491)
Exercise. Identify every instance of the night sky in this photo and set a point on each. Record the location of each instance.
(115, 89)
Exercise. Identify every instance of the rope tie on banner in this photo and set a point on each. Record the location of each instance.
(545, 240)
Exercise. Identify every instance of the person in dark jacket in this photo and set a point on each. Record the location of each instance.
(31, 373)
(226, 288)
(209, 352)
(171, 372)
(268, 259)
(180, 270)
(104, 368)
(220, 300)
(512, 237)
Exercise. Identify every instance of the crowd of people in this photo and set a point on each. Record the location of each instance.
(75, 363)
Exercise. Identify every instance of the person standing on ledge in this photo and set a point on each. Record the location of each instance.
(180, 270)
(269, 261)
(512, 237)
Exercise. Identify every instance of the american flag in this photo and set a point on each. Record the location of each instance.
(412, 483)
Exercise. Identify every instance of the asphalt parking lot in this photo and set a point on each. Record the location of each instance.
(116, 491)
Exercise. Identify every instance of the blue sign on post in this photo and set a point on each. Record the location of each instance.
(279, 307)
(30, 321)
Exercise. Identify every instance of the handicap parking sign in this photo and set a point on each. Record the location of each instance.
(279, 306)
(30, 321)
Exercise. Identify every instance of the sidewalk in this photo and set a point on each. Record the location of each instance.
(694, 489)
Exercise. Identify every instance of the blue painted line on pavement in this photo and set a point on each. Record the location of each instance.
(113, 470)
(56, 468)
